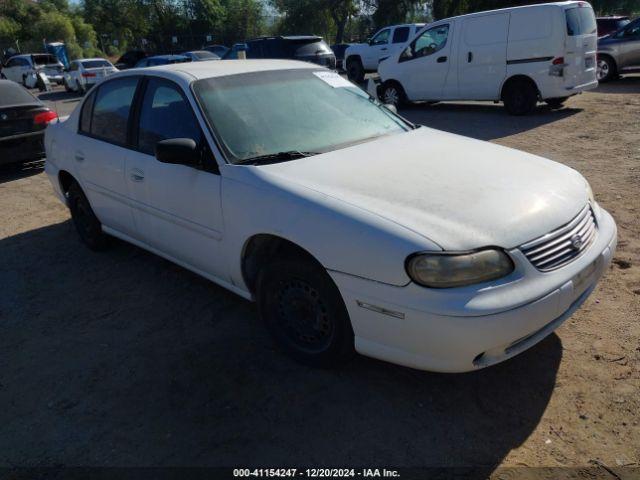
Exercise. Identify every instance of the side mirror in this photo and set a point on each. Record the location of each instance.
(370, 41)
(391, 107)
(179, 151)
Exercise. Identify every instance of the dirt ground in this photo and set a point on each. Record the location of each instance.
(123, 359)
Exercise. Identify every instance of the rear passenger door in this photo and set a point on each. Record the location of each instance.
(176, 208)
(101, 148)
(482, 56)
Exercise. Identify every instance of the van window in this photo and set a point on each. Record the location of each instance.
(486, 30)
(426, 44)
(580, 21)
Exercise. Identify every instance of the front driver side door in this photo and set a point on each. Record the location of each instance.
(176, 208)
(378, 48)
(630, 46)
(424, 64)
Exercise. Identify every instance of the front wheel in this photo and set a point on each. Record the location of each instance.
(304, 312)
(355, 70)
(520, 97)
(87, 224)
(393, 94)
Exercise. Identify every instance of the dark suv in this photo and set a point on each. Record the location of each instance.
(307, 48)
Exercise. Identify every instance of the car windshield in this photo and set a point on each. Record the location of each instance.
(96, 64)
(307, 110)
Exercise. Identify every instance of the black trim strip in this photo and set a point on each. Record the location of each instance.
(529, 60)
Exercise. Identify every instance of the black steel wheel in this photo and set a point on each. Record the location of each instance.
(87, 224)
(304, 312)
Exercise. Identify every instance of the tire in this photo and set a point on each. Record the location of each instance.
(67, 88)
(393, 93)
(87, 224)
(80, 89)
(556, 103)
(355, 70)
(606, 69)
(520, 97)
(304, 312)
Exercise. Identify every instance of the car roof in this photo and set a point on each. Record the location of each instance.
(568, 3)
(166, 57)
(90, 59)
(288, 37)
(613, 17)
(188, 72)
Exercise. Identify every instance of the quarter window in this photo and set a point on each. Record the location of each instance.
(165, 114)
(110, 117)
(428, 43)
(401, 35)
(85, 113)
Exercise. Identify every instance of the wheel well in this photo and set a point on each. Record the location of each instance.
(66, 179)
(261, 248)
(353, 57)
(517, 78)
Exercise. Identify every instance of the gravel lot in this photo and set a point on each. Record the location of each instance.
(123, 359)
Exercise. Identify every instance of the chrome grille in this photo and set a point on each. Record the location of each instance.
(561, 246)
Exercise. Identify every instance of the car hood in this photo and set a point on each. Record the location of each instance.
(458, 192)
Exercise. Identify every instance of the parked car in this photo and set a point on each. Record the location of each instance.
(232, 53)
(518, 55)
(219, 50)
(201, 55)
(130, 59)
(19, 66)
(307, 48)
(23, 119)
(339, 51)
(619, 52)
(361, 58)
(86, 72)
(411, 245)
(162, 60)
(607, 25)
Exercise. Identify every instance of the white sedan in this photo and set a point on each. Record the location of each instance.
(84, 73)
(353, 229)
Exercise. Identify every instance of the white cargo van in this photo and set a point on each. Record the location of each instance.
(519, 55)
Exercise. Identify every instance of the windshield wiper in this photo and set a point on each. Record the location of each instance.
(275, 157)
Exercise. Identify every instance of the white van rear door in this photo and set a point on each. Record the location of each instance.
(580, 46)
(482, 56)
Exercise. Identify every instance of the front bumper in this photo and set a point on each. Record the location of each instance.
(443, 330)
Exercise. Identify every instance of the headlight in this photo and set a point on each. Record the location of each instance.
(444, 270)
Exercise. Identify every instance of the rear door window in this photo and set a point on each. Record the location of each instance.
(110, 117)
(580, 21)
(401, 35)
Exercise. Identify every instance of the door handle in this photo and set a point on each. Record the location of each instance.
(79, 156)
(384, 49)
(469, 57)
(136, 175)
(441, 59)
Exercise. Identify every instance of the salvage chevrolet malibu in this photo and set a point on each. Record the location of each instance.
(353, 229)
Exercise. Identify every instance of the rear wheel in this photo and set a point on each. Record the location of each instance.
(304, 312)
(520, 97)
(87, 224)
(556, 103)
(79, 88)
(606, 69)
(66, 86)
(355, 70)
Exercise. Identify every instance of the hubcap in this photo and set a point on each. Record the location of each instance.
(304, 316)
(603, 69)
(391, 96)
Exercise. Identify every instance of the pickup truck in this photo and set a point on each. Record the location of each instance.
(361, 58)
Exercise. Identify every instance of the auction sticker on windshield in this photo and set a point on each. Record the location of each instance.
(333, 79)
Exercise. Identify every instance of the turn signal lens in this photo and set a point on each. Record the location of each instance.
(442, 270)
